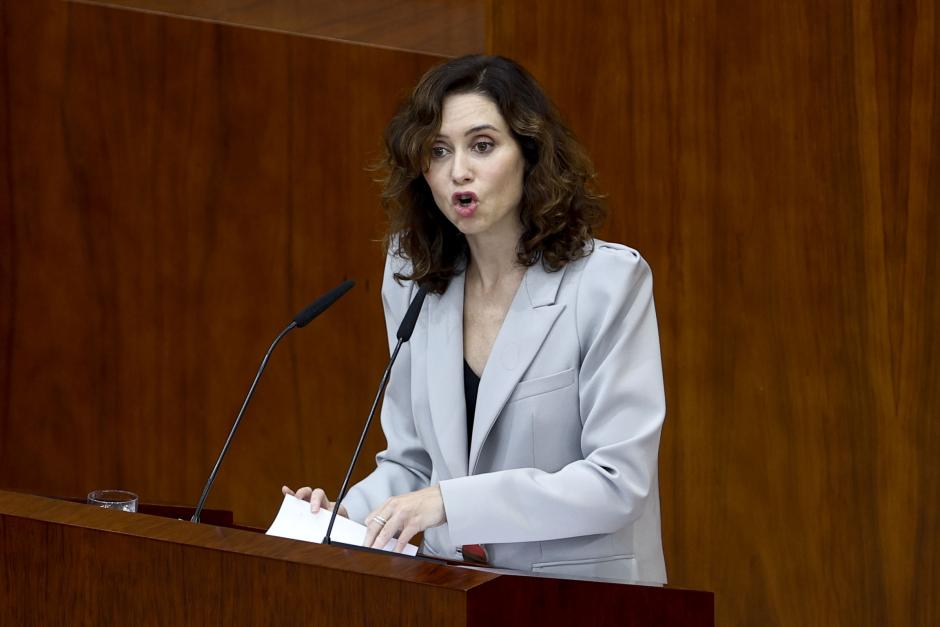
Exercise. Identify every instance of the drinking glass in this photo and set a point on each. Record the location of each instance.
(114, 499)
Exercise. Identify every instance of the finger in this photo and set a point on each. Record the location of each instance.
(304, 493)
(405, 537)
(387, 532)
(317, 500)
(372, 530)
(373, 527)
(285, 491)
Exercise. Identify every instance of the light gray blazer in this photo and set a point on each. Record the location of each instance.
(562, 471)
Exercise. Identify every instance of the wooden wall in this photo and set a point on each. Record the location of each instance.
(779, 166)
(439, 27)
(172, 191)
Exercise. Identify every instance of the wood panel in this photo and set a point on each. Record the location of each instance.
(173, 191)
(779, 165)
(442, 27)
(105, 567)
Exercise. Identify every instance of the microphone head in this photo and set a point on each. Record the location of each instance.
(407, 325)
(321, 304)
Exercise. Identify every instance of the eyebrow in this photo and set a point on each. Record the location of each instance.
(480, 127)
(475, 129)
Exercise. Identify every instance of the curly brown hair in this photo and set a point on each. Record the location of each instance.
(560, 207)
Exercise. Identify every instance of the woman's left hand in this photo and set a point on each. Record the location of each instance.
(405, 516)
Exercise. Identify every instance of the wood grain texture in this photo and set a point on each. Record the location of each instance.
(779, 166)
(440, 27)
(174, 191)
(108, 567)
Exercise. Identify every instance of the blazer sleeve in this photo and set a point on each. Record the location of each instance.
(622, 407)
(404, 466)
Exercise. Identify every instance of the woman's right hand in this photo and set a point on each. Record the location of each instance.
(317, 499)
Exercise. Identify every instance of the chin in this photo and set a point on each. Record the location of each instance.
(470, 226)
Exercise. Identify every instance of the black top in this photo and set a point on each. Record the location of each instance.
(471, 383)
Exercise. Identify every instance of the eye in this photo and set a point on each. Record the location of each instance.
(482, 146)
(437, 152)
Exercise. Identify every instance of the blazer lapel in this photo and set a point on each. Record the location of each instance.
(530, 318)
(445, 375)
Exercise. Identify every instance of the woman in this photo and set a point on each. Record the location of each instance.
(525, 413)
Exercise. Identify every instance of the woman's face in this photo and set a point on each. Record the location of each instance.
(475, 169)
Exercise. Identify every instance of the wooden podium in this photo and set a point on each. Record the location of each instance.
(65, 563)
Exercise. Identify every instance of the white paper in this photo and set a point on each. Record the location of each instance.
(295, 521)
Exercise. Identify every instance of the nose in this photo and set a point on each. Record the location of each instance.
(461, 169)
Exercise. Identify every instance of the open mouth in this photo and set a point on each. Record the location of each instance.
(465, 203)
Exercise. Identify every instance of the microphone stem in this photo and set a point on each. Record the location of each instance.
(362, 439)
(241, 412)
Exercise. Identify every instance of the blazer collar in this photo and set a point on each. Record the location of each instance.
(530, 318)
(446, 399)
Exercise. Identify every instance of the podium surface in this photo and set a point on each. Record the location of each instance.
(68, 563)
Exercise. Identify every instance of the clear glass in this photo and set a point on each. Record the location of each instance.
(114, 499)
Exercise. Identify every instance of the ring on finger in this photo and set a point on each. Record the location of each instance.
(380, 519)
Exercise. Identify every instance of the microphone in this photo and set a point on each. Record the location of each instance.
(405, 330)
(321, 304)
(302, 319)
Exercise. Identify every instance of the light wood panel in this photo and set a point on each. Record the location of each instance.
(777, 163)
(173, 192)
(443, 27)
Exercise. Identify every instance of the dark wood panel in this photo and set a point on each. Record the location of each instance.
(111, 567)
(442, 27)
(175, 190)
(148, 527)
(777, 163)
(106, 567)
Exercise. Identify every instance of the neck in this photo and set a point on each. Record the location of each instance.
(493, 258)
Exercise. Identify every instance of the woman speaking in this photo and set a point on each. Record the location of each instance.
(524, 415)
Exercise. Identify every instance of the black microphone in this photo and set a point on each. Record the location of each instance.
(300, 320)
(321, 304)
(405, 330)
